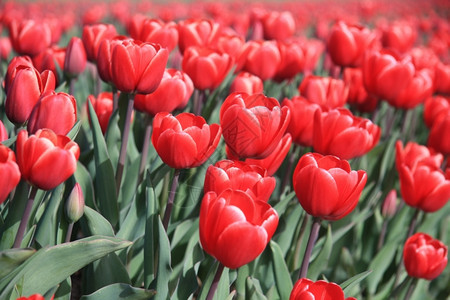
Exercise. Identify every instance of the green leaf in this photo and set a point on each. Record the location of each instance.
(51, 265)
(96, 223)
(105, 183)
(83, 177)
(120, 291)
(12, 258)
(74, 131)
(321, 261)
(254, 291)
(63, 291)
(282, 276)
(223, 287)
(150, 241)
(241, 281)
(353, 281)
(379, 265)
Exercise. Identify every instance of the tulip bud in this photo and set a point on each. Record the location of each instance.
(389, 207)
(75, 59)
(75, 204)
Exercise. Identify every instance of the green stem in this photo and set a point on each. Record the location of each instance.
(288, 175)
(25, 217)
(309, 247)
(300, 240)
(411, 288)
(123, 146)
(145, 146)
(169, 205)
(69, 232)
(215, 283)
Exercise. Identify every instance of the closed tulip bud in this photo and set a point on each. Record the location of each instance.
(46, 159)
(55, 111)
(234, 228)
(389, 207)
(306, 289)
(9, 172)
(248, 83)
(184, 141)
(103, 107)
(206, 67)
(75, 204)
(326, 186)
(424, 257)
(253, 125)
(173, 93)
(75, 60)
(137, 67)
(25, 91)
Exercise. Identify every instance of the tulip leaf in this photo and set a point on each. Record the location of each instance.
(63, 291)
(223, 287)
(351, 282)
(282, 276)
(241, 281)
(105, 183)
(379, 265)
(150, 241)
(12, 258)
(83, 177)
(96, 223)
(74, 131)
(133, 226)
(50, 265)
(254, 289)
(120, 291)
(321, 261)
(188, 280)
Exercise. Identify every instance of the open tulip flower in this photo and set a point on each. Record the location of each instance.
(92, 37)
(326, 187)
(253, 125)
(236, 175)
(424, 257)
(185, 140)
(325, 91)
(306, 289)
(46, 159)
(30, 37)
(234, 227)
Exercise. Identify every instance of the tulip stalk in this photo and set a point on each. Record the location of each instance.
(199, 99)
(315, 227)
(69, 232)
(300, 239)
(145, 147)
(215, 283)
(169, 205)
(123, 146)
(25, 217)
(290, 163)
(411, 289)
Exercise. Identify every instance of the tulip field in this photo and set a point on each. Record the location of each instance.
(291, 150)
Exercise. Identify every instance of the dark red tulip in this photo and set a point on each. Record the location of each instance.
(302, 120)
(46, 159)
(137, 67)
(234, 228)
(206, 67)
(75, 59)
(3, 132)
(325, 91)
(306, 289)
(253, 125)
(93, 35)
(236, 175)
(55, 111)
(424, 257)
(347, 43)
(278, 25)
(173, 92)
(9, 172)
(24, 92)
(326, 187)
(338, 132)
(30, 37)
(197, 32)
(103, 107)
(184, 141)
(247, 83)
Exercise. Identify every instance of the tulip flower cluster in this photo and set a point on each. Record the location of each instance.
(224, 150)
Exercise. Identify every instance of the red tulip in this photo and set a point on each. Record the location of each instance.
(55, 111)
(32, 297)
(306, 289)
(17, 63)
(75, 59)
(338, 132)
(236, 175)
(347, 43)
(424, 257)
(3, 132)
(435, 107)
(326, 187)
(253, 125)
(137, 67)
(248, 83)
(389, 206)
(234, 228)
(5, 48)
(9, 172)
(439, 138)
(292, 60)
(255, 52)
(24, 92)
(278, 25)
(312, 50)
(357, 94)
(206, 67)
(442, 78)
(399, 35)
(173, 92)
(325, 91)
(230, 43)
(302, 120)
(103, 107)
(413, 154)
(104, 54)
(50, 59)
(197, 32)
(30, 37)
(272, 162)
(184, 141)
(157, 32)
(46, 159)
(93, 35)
